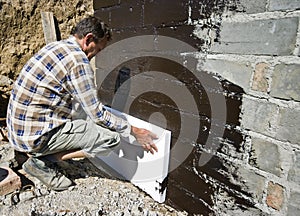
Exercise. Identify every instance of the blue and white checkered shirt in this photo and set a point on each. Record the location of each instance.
(42, 96)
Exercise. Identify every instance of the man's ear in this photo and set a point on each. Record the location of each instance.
(89, 38)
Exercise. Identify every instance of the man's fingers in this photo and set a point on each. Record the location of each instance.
(154, 147)
(150, 147)
(145, 138)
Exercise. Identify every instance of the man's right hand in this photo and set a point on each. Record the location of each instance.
(145, 138)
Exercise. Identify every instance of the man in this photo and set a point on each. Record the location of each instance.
(39, 116)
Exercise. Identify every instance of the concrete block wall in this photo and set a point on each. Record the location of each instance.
(264, 37)
(251, 48)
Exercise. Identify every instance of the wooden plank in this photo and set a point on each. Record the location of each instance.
(48, 27)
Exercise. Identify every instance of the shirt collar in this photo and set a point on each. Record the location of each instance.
(73, 40)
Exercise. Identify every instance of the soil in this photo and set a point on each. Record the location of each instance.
(22, 33)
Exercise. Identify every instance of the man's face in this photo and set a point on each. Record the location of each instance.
(93, 48)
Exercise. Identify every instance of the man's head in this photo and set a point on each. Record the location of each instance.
(92, 35)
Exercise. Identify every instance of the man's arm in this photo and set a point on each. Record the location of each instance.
(85, 92)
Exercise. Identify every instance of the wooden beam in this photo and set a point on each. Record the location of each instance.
(48, 27)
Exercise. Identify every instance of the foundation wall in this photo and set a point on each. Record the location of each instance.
(235, 110)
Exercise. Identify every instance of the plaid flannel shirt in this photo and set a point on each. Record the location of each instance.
(42, 96)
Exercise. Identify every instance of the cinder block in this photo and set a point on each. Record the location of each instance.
(202, 10)
(182, 180)
(123, 14)
(97, 4)
(251, 182)
(253, 6)
(123, 33)
(183, 33)
(104, 15)
(127, 15)
(10, 181)
(165, 12)
(294, 173)
(262, 37)
(275, 5)
(236, 72)
(260, 149)
(268, 119)
(259, 116)
(288, 126)
(294, 204)
(285, 82)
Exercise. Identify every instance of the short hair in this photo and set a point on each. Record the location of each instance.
(92, 25)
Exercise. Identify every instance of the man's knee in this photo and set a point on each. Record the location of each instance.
(112, 140)
(100, 140)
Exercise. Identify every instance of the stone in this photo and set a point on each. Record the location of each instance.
(7, 155)
(260, 80)
(284, 5)
(259, 116)
(260, 149)
(293, 210)
(5, 81)
(275, 196)
(294, 173)
(261, 37)
(285, 82)
(251, 182)
(253, 6)
(294, 204)
(288, 126)
(235, 72)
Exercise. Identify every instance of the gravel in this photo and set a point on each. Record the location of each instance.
(94, 193)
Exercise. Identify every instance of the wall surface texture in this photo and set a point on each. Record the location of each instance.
(227, 86)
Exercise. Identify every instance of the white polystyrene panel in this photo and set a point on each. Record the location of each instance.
(143, 169)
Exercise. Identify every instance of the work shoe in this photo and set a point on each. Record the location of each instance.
(49, 176)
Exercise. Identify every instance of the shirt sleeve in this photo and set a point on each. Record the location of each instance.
(83, 89)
